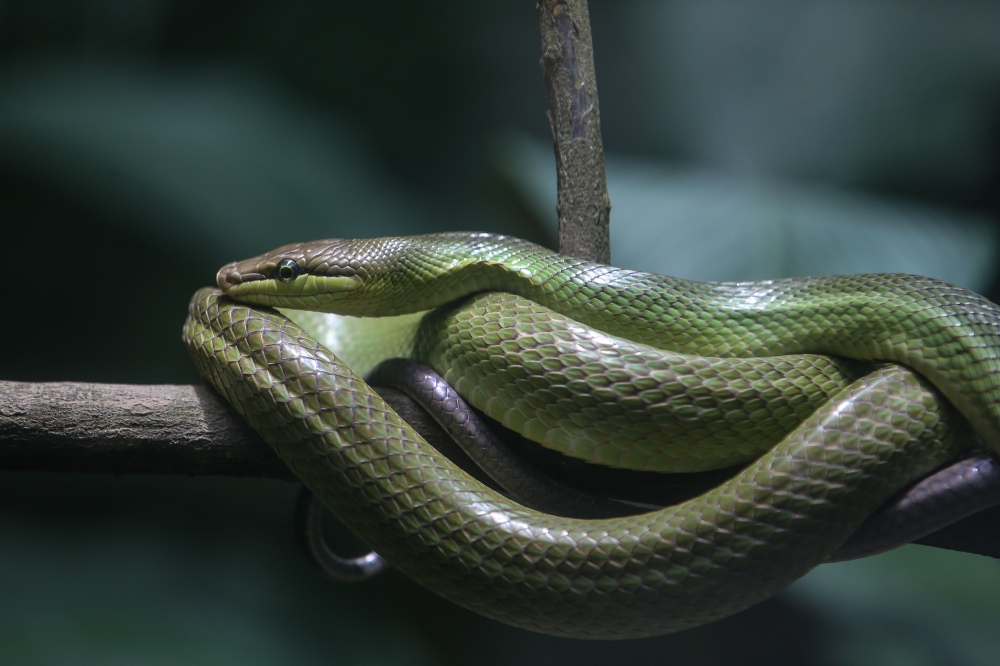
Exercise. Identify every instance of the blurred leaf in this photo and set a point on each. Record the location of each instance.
(209, 576)
(898, 96)
(197, 157)
(711, 226)
(916, 605)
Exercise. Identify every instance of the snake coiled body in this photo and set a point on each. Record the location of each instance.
(593, 396)
(652, 573)
(948, 334)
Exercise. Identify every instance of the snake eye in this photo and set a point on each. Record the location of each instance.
(286, 271)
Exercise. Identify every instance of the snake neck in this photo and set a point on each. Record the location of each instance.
(424, 272)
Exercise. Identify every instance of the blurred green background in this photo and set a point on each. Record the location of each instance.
(144, 143)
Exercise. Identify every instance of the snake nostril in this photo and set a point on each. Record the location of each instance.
(227, 277)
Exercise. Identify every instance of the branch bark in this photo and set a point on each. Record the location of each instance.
(154, 429)
(128, 429)
(584, 207)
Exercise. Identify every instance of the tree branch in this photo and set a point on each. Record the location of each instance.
(154, 429)
(568, 69)
(125, 429)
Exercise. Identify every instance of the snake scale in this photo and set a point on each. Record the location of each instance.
(795, 502)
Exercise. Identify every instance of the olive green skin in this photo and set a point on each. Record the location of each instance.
(596, 397)
(654, 573)
(948, 334)
(616, 403)
(662, 571)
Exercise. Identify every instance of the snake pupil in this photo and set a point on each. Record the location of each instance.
(286, 271)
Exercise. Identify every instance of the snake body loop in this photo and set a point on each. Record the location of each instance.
(787, 511)
(523, 482)
(309, 533)
(634, 576)
(601, 398)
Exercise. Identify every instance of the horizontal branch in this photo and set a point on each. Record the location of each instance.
(126, 429)
(153, 429)
(190, 430)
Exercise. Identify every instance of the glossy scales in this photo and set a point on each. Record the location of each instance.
(593, 396)
(613, 402)
(649, 574)
(948, 334)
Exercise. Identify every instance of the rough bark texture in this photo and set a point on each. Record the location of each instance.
(568, 68)
(152, 429)
(117, 428)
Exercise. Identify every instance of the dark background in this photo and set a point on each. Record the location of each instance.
(144, 143)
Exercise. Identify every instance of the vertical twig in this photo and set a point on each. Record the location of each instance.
(568, 68)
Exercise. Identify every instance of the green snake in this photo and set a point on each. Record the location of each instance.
(656, 572)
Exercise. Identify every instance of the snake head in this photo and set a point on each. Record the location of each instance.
(306, 276)
(373, 276)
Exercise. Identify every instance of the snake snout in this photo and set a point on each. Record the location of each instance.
(228, 277)
(236, 273)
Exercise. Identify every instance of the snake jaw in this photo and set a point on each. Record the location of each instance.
(229, 277)
(254, 280)
(307, 292)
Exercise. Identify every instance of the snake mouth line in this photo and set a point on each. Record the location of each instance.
(305, 290)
